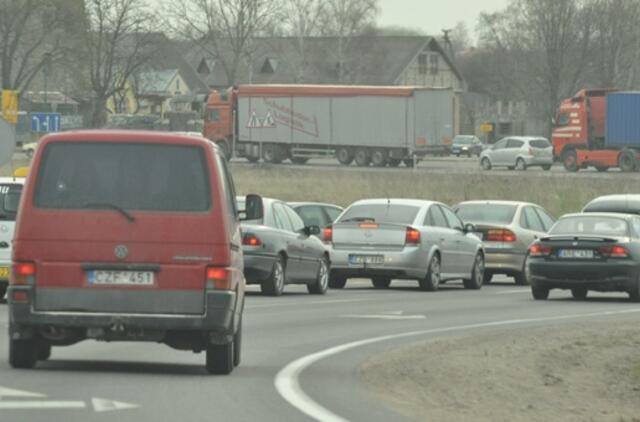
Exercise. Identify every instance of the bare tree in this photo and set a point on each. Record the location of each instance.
(302, 19)
(346, 20)
(31, 37)
(223, 29)
(118, 44)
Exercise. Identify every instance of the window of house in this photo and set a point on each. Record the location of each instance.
(434, 64)
(422, 64)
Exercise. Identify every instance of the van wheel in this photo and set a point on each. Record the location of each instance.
(344, 156)
(521, 165)
(485, 164)
(23, 354)
(337, 282)
(220, 358)
(431, 282)
(274, 285)
(320, 286)
(237, 345)
(362, 157)
(477, 274)
(381, 282)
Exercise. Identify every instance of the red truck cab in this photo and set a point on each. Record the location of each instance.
(218, 122)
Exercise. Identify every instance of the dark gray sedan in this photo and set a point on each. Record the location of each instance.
(279, 249)
(594, 251)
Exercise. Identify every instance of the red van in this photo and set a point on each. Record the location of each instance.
(128, 236)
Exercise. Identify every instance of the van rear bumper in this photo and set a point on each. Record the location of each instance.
(222, 310)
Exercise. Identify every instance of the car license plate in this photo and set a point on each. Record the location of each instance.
(121, 278)
(366, 259)
(576, 253)
(4, 273)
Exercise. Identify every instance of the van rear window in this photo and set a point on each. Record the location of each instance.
(142, 177)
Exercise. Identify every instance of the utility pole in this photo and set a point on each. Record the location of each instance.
(45, 71)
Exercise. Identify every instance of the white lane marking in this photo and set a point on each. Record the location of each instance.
(388, 316)
(43, 404)
(322, 302)
(287, 381)
(106, 405)
(10, 392)
(513, 292)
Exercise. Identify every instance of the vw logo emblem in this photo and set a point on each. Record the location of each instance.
(121, 251)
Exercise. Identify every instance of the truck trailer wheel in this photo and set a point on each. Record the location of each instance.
(379, 157)
(272, 153)
(363, 157)
(344, 156)
(570, 160)
(627, 161)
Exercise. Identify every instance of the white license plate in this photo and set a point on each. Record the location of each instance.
(576, 253)
(121, 278)
(366, 259)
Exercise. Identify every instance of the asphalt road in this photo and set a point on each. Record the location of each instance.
(289, 356)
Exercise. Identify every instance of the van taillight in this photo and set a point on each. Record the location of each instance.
(219, 278)
(537, 250)
(501, 235)
(614, 251)
(412, 236)
(327, 234)
(251, 240)
(23, 273)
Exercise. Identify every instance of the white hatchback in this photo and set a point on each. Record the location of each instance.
(518, 152)
(10, 191)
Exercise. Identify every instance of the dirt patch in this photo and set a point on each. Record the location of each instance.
(571, 372)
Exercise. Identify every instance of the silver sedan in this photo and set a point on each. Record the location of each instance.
(387, 239)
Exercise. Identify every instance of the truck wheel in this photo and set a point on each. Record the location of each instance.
(344, 156)
(408, 162)
(394, 162)
(23, 354)
(485, 164)
(220, 358)
(379, 157)
(272, 153)
(362, 157)
(299, 160)
(570, 160)
(627, 161)
(602, 169)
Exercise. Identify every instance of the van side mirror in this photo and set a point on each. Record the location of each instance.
(254, 208)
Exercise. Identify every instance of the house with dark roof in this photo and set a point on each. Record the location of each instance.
(366, 60)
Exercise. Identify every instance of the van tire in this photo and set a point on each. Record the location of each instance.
(220, 358)
(274, 285)
(321, 283)
(237, 345)
(23, 354)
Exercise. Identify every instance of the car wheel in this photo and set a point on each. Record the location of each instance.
(431, 282)
(29, 153)
(579, 293)
(344, 156)
(220, 358)
(486, 164)
(44, 351)
(634, 293)
(321, 284)
(521, 279)
(488, 277)
(546, 168)
(570, 160)
(521, 165)
(540, 293)
(237, 345)
(299, 160)
(337, 282)
(252, 158)
(3, 292)
(379, 157)
(362, 157)
(477, 275)
(23, 354)
(381, 282)
(274, 285)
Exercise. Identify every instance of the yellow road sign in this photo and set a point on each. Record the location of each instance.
(486, 127)
(10, 106)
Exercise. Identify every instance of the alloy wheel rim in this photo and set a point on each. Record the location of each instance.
(324, 275)
(435, 271)
(479, 270)
(279, 276)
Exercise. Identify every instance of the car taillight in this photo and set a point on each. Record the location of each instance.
(251, 240)
(412, 236)
(219, 278)
(501, 235)
(614, 251)
(531, 151)
(539, 250)
(23, 273)
(327, 234)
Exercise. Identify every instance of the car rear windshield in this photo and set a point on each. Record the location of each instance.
(463, 141)
(381, 213)
(486, 213)
(540, 143)
(9, 200)
(143, 177)
(597, 226)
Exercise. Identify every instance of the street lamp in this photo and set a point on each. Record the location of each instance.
(45, 71)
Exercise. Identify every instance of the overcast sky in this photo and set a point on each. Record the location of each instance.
(431, 16)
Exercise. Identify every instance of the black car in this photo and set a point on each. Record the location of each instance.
(594, 251)
(626, 204)
(466, 145)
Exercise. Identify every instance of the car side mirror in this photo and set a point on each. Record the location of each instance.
(11, 202)
(470, 228)
(254, 208)
(311, 230)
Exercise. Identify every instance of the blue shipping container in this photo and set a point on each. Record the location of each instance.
(623, 120)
